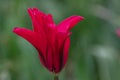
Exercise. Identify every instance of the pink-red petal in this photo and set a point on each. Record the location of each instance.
(69, 23)
(37, 20)
(59, 47)
(66, 51)
(36, 40)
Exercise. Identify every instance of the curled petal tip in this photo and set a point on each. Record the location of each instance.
(69, 23)
(81, 18)
(28, 9)
(32, 8)
(15, 29)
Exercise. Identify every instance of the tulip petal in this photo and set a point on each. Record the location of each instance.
(49, 58)
(50, 21)
(62, 54)
(25, 33)
(69, 23)
(66, 51)
(34, 22)
(37, 20)
(59, 47)
(36, 40)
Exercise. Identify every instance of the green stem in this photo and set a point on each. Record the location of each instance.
(56, 77)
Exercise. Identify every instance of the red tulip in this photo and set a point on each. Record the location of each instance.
(51, 41)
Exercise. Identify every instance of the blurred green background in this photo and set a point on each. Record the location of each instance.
(95, 47)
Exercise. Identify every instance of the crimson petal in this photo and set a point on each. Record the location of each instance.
(68, 23)
(37, 20)
(36, 40)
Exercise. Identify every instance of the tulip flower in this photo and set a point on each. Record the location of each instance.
(50, 40)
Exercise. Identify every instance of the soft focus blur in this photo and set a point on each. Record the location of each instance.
(95, 47)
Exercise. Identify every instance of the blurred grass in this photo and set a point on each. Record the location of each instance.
(95, 47)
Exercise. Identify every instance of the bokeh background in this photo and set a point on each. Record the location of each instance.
(95, 47)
